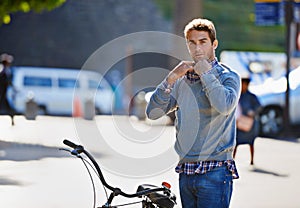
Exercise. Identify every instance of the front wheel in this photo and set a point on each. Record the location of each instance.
(271, 121)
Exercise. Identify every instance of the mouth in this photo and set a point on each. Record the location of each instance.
(199, 55)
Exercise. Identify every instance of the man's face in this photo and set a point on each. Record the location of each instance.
(200, 46)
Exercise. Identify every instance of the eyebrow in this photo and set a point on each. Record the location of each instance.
(202, 39)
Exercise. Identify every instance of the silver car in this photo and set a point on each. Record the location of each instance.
(272, 113)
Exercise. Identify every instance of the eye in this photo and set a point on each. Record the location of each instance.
(191, 43)
(202, 42)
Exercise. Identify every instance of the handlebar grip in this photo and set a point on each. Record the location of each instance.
(70, 144)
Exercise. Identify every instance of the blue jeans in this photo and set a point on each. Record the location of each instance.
(212, 189)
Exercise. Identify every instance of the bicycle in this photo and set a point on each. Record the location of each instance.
(152, 196)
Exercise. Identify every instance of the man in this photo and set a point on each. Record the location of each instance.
(204, 94)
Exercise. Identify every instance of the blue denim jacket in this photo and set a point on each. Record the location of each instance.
(205, 113)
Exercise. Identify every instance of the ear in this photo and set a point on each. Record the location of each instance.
(215, 44)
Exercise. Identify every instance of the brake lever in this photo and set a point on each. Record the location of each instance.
(65, 149)
(75, 151)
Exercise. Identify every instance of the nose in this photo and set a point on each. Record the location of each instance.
(198, 47)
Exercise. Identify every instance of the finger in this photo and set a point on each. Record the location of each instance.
(183, 68)
(189, 68)
(189, 63)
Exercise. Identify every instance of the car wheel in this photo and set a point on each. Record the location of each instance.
(271, 121)
(98, 111)
(42, 110)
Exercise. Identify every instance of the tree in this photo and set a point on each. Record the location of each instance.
(8, 7)
(185, 11)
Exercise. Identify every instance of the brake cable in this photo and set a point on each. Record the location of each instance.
(91, 177)
(93, 168)
(85, 162)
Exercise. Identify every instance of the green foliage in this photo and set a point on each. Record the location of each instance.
(8, 7)
(235, 23)
(167, 7)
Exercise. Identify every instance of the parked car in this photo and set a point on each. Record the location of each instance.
(271, 116)
(55, 90)
(138, 107)
(267, 71)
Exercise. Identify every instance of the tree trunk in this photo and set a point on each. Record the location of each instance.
(184, 12)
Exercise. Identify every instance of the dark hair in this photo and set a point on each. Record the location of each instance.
(201, 25)
(247, 80)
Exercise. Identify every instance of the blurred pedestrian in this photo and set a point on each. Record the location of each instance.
(204, 94)
(5, 81)
(247, 119)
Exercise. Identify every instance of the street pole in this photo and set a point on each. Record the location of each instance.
(289, 16)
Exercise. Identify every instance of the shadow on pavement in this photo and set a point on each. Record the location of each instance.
(285, 139)
(292, 134)
(264, 171)
(25, 152)
(20, 152)
(9, 182)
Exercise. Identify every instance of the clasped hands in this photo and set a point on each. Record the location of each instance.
(183, 67)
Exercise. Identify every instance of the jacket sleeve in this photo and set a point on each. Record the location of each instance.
(223, 94)
(161, 102)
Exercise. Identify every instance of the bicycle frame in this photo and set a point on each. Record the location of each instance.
(154, 199)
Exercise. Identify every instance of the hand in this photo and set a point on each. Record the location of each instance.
(202, 66)
(180, 70)
(251, 113)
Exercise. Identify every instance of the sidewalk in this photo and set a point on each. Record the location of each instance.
(274, 179)
(35, 174)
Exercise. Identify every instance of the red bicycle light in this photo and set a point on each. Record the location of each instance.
(167, 185)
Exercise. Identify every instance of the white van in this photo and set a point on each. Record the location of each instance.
(55, 90)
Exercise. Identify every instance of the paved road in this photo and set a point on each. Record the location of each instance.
(34, 173)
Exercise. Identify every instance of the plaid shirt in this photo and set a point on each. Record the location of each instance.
(202, 167)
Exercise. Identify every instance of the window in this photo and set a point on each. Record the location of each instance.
(99, 85)
(68, 83)
(37, 81)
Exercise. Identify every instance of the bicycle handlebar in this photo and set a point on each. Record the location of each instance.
(77, 149)
(70, 144)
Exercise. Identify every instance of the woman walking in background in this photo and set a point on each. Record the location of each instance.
(247, 122)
